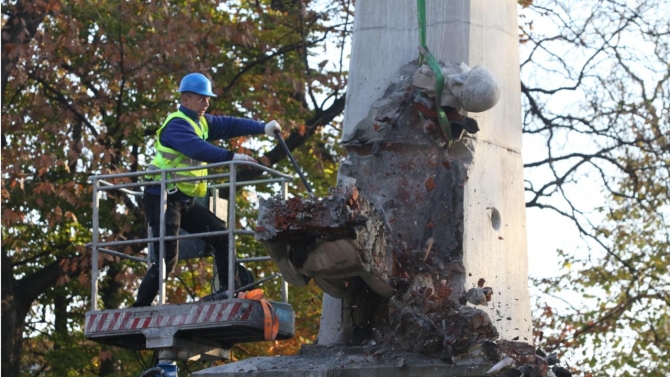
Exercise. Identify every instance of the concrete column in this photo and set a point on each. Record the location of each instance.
(477, 32)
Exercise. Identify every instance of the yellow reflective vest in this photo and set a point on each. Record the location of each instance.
(168, 158)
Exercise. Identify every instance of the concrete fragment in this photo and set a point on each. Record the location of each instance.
(552, 359)
(522, 352)
(476, 296)
(473, 90)
(327, 240)
(561, 372)
(424, 78)
(488, 292)
(502, 364)
(541, 364)
(530, 370)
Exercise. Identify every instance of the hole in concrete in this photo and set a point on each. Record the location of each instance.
(463, 151)
(495, 219)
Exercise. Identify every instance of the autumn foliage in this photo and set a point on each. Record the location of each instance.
(85, 85)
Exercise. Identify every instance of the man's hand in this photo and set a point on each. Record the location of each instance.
(244, 157)
(271, 127)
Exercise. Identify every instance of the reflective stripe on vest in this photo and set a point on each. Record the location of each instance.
(168, 158)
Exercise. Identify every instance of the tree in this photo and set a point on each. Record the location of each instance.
(84, 88)
(596, 94)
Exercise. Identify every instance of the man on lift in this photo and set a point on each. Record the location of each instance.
(182, 141)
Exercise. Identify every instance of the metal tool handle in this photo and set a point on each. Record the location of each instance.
(295, 164)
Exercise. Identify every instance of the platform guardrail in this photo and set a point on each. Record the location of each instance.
(105, 182)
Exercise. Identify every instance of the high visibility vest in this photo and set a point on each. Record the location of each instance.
(168, 158)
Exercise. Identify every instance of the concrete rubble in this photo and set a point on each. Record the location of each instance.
(508, 359)
(522, 359)
(361, 361)
(330, 240)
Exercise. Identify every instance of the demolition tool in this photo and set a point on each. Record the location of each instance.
(295, 164)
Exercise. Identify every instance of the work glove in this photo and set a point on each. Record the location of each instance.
(271, 127)
(244, 157)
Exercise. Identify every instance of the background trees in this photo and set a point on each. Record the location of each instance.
(85, 85)
(596, 105)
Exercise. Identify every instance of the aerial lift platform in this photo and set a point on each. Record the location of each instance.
(205, 329)
(195, 330)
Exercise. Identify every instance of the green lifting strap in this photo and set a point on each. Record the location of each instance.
(425, 55)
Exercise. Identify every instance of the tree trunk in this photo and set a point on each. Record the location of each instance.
(111, 294)
(13, 320)
(61, 334)
(17, 298)
(17, 33)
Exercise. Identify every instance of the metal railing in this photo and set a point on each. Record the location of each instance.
(102, 183)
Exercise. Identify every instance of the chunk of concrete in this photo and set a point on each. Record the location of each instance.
(328, 240)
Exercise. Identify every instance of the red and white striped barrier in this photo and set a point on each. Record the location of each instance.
(140, 318)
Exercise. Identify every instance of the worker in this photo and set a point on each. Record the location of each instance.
(182, 141)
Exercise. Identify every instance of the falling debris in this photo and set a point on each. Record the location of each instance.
(518, 358)
(552, 359)
(561, 372)
(476, 296)
(488, 293)
(502, 364)
(429, 245)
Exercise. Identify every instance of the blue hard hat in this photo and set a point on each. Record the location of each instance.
(196, 83)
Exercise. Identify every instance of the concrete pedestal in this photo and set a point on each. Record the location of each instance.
(314, 361)
(476, 32)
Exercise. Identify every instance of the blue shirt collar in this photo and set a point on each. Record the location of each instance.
(191, 114)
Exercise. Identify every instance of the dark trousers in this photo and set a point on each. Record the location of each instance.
(193, 218)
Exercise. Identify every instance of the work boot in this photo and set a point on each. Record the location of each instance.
(148, 288)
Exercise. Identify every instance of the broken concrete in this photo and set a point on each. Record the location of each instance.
(473, 90)
(394, 222)
(483, 359)
(330, 240)
(494, 234)
(362, 361)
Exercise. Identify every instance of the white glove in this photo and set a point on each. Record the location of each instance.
(244, 157)
(271, 127)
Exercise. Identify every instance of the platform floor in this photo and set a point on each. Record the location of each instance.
(217, 324)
